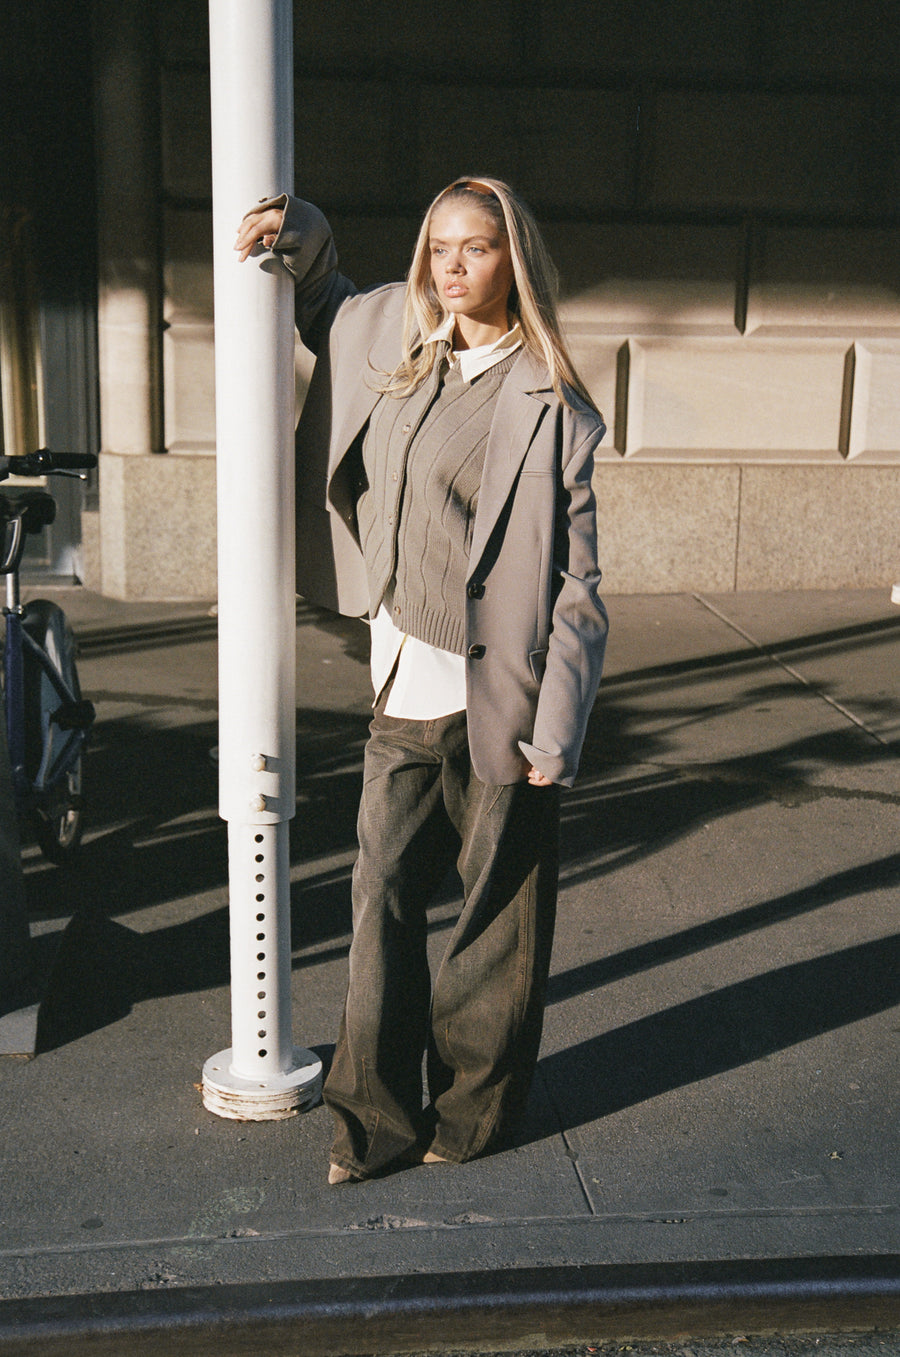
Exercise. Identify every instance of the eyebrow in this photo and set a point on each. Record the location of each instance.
(439, 240)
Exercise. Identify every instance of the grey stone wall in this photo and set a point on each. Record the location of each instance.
(719, 186)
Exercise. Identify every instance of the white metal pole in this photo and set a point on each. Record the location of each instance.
(262, 1076)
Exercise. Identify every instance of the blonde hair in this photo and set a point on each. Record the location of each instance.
(532, 299)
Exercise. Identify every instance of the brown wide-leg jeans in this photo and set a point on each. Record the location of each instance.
(480, 1023)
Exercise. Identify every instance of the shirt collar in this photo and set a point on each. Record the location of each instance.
(472, 362)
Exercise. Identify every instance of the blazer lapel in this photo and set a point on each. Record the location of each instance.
(365, 354)
(522, 401)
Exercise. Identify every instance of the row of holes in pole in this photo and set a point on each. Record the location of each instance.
(259, 858)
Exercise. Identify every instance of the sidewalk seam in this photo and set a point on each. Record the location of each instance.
(682, 1215)
(772, 653)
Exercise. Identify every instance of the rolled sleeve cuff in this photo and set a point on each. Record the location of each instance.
(554, 766)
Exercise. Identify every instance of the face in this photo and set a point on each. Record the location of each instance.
(471, 267)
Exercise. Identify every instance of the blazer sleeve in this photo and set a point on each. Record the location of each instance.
(305, 246)
(579, 622)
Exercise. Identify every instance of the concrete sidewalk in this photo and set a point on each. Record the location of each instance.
(719, 1072)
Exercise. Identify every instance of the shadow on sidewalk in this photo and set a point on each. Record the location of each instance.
(155, 839)
(881, 874)
(834, 641)
(736, 1025)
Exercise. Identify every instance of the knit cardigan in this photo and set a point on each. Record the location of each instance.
(422, 462)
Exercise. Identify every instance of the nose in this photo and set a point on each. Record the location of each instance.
(454, 264)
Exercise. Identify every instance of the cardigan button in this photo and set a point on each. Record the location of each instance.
(475, 652)
(475, 589)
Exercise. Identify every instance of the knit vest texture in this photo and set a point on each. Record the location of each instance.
(423, 458)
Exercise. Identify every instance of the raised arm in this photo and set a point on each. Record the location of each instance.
(301, 237)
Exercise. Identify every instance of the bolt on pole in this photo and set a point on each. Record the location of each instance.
(262, 1076)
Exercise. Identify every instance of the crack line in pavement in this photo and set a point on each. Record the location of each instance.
(683, 1216)
(568, 1149)
(572, 1154)
(773, 654)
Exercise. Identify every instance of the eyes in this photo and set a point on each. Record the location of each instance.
(441, 251)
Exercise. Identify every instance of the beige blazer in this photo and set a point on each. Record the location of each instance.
(535, 626)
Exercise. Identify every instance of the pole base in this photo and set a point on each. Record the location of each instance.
(272, 1097)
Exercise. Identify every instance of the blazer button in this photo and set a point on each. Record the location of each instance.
(475, 652)
(475, 589)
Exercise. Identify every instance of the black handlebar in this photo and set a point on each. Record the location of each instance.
(45, 463)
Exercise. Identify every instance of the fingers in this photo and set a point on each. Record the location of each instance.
(538, 779)
(258, 228)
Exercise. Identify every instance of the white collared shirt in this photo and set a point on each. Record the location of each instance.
(472, 362)
(429, 682)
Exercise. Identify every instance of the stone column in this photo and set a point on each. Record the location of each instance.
(129, 288)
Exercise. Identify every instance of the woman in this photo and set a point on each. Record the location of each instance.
(444, 461)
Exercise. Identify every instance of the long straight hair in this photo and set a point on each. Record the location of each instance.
(532, 299)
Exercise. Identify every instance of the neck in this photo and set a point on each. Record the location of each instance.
(471, 334)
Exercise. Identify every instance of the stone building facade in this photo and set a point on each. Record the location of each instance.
(719, 186)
